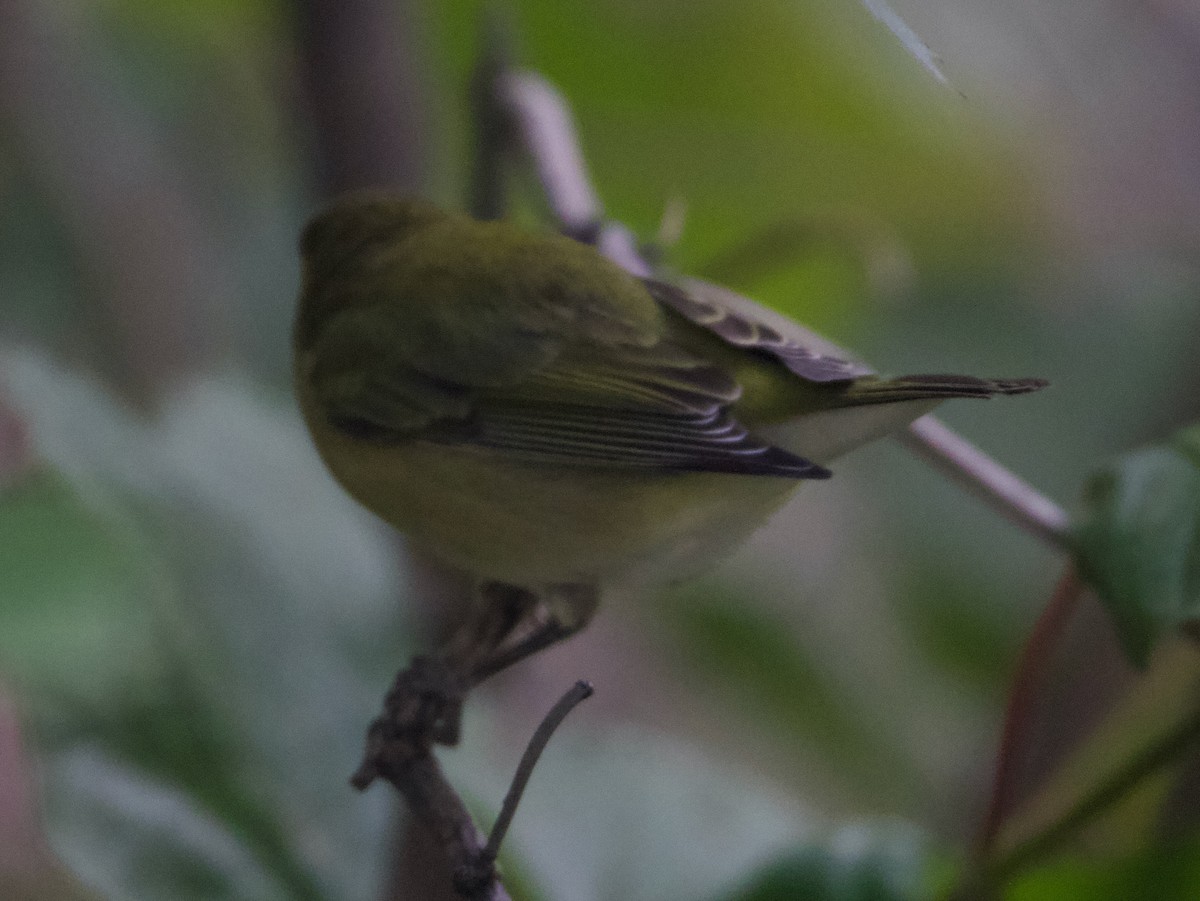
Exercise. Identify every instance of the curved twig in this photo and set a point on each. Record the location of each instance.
(578, 693)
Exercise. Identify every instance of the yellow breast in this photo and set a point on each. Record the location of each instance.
(532, 525)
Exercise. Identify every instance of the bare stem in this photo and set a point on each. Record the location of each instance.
(579, 692)
(954, 455)
(1030, 672)
(492, 145)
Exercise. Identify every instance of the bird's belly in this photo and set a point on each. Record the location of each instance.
(532, 524)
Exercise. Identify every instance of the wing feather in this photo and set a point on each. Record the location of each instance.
(688, 442)
(558, 398)
(746, 325)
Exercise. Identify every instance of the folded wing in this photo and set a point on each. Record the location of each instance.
(561, 399)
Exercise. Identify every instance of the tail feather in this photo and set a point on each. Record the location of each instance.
(923, 387)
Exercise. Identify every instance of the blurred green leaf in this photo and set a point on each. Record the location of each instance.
(973, 643)
(264, 628)
(1165, 874)
(140, 839)
(1138, 542)
(75, 619)
(855, 863)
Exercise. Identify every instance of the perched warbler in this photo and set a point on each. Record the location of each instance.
(528, 411)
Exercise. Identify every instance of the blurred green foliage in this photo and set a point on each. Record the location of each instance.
(197, 624)
(1171, 873)
(1139, 541)
(854, 864)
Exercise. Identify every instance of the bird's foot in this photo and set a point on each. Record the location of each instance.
(423, 708)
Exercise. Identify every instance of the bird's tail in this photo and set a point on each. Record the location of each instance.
(871, 407)
(934, 387)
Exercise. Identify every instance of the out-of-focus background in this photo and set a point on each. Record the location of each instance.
(195, 624)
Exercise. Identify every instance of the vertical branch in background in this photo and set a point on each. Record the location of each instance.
(22, 848)
(361, 70)
(491, 130)
(369, 123)
(28, 868)
(16, 452)
(143, 254)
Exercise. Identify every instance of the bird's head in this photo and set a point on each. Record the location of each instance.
(342, 246)
(355, 222)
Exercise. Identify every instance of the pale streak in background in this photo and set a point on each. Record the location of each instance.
(904, 33)
(1103, 94)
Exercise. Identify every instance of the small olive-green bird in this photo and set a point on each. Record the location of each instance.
(528, 411)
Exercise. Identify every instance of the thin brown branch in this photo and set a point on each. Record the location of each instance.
(421, 711)
(1031, 669)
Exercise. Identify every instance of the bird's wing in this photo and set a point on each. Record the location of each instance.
(746, 325)
(534, 388)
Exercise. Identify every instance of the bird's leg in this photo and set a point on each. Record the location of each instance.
(500, 610)
(570, 608)
(424, 705)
